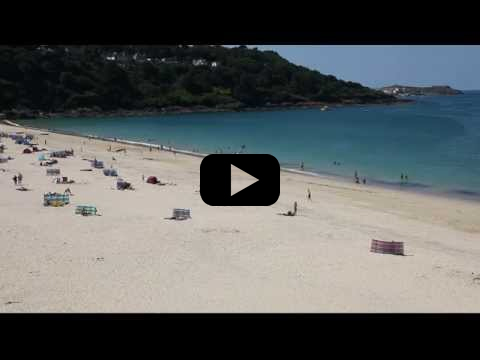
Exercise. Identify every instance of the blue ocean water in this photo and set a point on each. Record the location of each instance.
(435, 140)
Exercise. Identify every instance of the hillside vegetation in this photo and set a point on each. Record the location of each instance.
(108, 78)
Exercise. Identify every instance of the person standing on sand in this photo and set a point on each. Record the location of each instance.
(143, 178)
(406, 178)
(309, 194)
(15, 179)
(19, 178)
(302, 166)
(364, 181)
(45, 141)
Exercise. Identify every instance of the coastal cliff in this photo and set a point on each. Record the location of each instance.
(44, 80)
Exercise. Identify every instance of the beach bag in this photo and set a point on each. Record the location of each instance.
(152, 180)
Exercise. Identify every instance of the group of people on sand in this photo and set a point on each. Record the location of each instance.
(357, 178)
(17, 179)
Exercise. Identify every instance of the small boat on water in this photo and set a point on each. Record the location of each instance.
(324, 108)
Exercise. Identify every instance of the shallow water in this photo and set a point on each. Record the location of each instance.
(436, 140)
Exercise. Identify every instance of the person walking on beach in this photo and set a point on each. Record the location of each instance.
(401, 178)
(309, 194)
(45, 141)
(406, 178)
(364, 181)
(19, 178)
(15, 179)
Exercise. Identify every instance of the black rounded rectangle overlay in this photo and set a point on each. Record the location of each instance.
(215, 180)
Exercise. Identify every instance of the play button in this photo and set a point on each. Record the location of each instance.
(240, 180)
(236, 187)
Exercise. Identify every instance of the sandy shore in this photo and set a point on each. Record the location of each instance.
(225, 259)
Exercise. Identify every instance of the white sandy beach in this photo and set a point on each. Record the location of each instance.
(224, 259)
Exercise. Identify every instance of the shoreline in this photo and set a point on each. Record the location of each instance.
(420, 189)
(176, 110)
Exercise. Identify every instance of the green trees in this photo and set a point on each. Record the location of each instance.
(57, 78)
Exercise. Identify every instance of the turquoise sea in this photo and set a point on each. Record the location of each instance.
(435, 140)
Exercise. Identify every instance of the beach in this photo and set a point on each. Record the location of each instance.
(223, 259)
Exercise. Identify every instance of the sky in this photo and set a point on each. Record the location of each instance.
(379, 65)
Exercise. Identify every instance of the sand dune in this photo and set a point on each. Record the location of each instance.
(233, 259)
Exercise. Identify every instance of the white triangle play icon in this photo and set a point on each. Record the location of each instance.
(235, 188)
